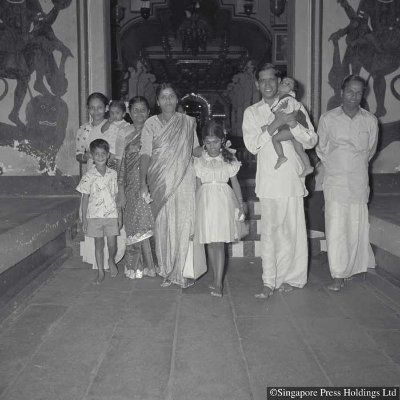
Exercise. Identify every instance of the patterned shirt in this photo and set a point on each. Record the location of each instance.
(82, 136)
(345, 147)
(102, 192)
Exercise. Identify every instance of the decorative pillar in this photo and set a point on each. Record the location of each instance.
(118, 70)
(306, 51)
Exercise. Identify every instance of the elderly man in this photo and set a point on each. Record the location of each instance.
(281, 191)
(348, 138)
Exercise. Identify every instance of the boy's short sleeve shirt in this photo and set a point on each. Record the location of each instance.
(102, 192)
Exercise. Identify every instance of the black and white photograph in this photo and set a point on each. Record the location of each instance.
(199, 199)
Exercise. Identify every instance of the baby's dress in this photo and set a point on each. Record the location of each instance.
(215, 200)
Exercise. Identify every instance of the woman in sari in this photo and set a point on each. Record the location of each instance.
(138, 219)
(166, 172)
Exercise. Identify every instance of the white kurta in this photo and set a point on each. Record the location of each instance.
(283, 232)
(345, 147)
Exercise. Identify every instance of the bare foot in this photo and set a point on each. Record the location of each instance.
(307, 171)
(280, 161)
(266, 292)
(99, 277)
(113, 269)
(285, 287)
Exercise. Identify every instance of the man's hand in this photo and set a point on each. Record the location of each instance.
(281, 119)
(285, 119)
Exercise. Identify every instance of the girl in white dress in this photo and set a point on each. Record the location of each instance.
(218, 208)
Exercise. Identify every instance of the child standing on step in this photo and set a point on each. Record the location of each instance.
(100, 216)
(288, 103)
(218, 207)
(97, 106)
(114, 128)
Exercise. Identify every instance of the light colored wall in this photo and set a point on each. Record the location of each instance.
(99, 46)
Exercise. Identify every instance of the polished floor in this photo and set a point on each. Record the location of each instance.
(127, 340)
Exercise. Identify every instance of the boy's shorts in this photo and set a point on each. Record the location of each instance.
(100, 227)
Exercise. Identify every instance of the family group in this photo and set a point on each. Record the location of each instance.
(173, 198)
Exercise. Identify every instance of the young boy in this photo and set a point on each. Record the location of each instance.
(288, 104)
(100, 215)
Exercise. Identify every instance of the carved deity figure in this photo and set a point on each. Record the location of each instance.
(372, 38)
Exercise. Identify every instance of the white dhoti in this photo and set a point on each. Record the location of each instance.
(347, 239)
(283, 242)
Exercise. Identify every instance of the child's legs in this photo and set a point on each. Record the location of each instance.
(301, 153)
(111, 230)
(112, 251)
(99, 254)
(112, 248)
(216, 255)
(279, 137)
(95, 230)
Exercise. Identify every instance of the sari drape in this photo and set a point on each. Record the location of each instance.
(172, 185)
(138, 219)
(171, 156)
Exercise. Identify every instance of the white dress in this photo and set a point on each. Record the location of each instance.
(215, 200)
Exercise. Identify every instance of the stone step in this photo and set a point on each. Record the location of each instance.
(249, 246)
(253, 209)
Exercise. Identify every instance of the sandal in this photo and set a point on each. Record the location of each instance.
(149, 272)
(265, 294)
(337, 285)
(130, 273)
(285, 288)
(216, 292)
(166, 283)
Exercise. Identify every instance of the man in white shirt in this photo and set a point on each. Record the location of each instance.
(281, 191)
(348, 137)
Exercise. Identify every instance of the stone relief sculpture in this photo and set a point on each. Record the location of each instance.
(372, 39)
(27, 44)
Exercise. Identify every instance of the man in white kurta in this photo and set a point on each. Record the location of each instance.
(281, 191)
(348, 137)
